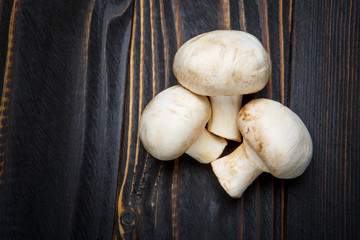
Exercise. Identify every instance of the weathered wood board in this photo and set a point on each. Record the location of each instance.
(75, 76)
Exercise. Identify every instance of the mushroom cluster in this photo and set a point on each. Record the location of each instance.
(214, 70)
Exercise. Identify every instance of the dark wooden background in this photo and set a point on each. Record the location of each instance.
(75, 76)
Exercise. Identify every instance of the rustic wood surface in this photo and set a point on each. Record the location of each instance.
(75, 76)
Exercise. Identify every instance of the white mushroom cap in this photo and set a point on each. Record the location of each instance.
(222, 63)
(276, 139)
(173, 121)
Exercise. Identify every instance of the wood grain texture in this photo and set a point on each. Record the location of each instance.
(325, 58)
(9, 78)
(62, 153)
(78, 75)
(5, 15)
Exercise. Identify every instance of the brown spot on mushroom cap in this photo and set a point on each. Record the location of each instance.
(222, 63)
(172, 121)
(278, 136)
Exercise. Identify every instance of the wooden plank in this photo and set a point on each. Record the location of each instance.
(144, 199)
(62, 152)
(324, 202)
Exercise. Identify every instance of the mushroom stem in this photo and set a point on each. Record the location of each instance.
(207, 147)
(223, 118)
(235, 172)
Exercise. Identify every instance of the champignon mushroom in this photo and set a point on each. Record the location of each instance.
(174, 123)
(223, 64)
(275, 140)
